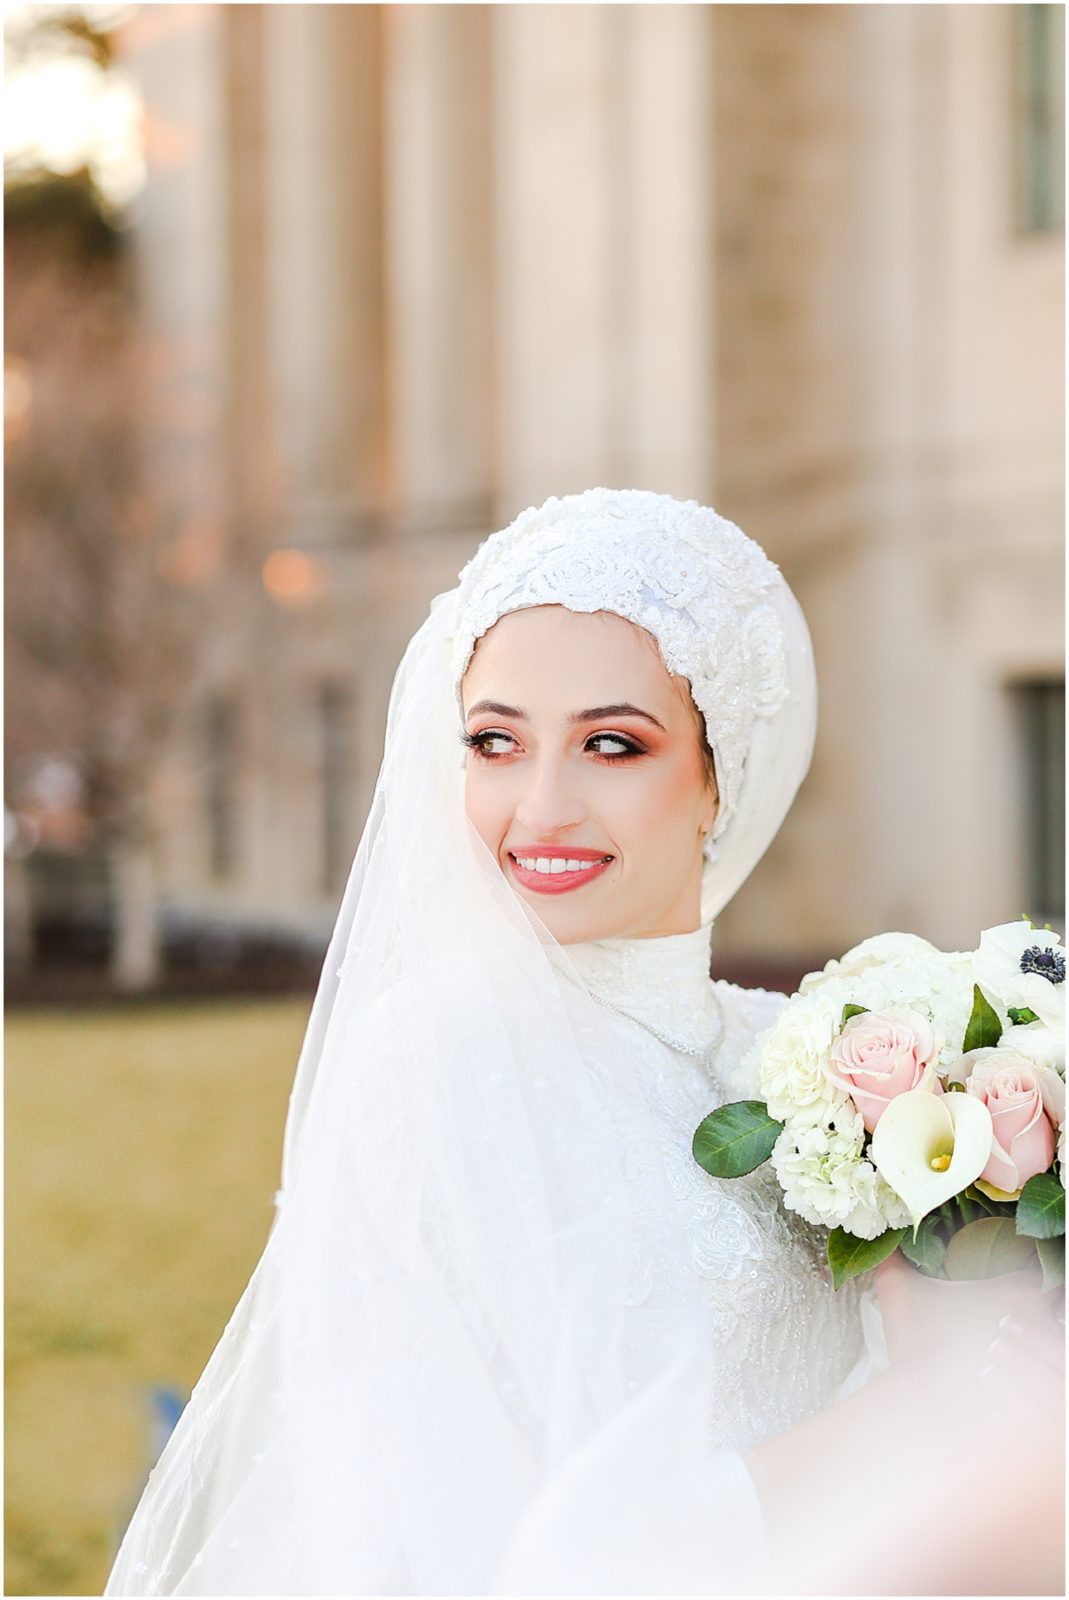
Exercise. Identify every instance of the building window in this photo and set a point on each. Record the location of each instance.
(1039, 117)
(335, 712)
(220, 784)
(1041, 717)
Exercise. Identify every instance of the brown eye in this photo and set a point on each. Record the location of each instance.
(479, 743)
(626, 749)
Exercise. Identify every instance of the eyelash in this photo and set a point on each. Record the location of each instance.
(476, 742)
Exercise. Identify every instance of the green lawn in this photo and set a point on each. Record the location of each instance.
(142, 1154)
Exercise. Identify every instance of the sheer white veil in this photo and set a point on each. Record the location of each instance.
(431, 1340)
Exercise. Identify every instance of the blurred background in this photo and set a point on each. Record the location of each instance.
(301, 302)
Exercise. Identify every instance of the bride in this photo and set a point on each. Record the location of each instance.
(506, 1336)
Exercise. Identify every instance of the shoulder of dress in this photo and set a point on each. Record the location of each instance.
(754, 1008)
(746, 1013)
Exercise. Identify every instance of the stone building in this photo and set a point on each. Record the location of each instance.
(415, 267)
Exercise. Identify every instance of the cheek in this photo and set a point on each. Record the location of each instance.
(661, 807)
(483, 803)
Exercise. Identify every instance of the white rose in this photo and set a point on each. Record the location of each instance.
(794, 1063)
(883, 949)
(1061, 1154)
(1043, 1046)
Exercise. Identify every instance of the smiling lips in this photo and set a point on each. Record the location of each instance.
(554, 869)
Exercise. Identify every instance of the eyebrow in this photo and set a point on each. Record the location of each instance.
(622, 708)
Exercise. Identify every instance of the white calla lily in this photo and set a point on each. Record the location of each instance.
(930, 1147)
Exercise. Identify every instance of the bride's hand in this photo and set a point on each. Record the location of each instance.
(950, 1410)
(980, 1364)
(1043, 1341)
(930, 1319)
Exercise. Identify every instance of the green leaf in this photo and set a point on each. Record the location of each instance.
(928, 1251)
(735, 1139)
(984, 1030)
(994, 1208)
(1051, 1253)
(1020, 1015)
(1041, 1208)
(849, 1255)
(987, 1249)
(851, 1011)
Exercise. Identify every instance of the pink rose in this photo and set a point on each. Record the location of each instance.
(882, 1054)
(1024, 1111)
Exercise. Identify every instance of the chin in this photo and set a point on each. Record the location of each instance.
(574, 926)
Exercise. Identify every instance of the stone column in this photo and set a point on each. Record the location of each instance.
(560, 250)
(668, 375)
(177, 53)
(325, 291)
(251, 453)
(905, 784)
(604, 197)
(438, 241)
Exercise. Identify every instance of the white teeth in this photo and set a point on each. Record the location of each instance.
(553, 864)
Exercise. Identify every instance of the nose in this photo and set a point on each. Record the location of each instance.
(548, 804)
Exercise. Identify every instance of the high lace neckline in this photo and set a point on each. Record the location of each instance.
(661, 983)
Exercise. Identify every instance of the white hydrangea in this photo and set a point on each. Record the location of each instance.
(882, 950)
(826, 1180)
(793, 1063)
(939, 986)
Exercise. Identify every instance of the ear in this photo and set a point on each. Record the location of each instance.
(712, 806)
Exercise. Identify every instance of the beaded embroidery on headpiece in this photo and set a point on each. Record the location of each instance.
(687, 575)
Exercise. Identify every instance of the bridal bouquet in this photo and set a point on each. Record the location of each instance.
(913, 1099)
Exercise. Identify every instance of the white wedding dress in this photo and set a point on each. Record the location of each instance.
(754, 1275)
(756, 1271)
(646, 1510)
(506, 1336)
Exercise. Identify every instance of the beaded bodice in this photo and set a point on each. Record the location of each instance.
(727, 1250)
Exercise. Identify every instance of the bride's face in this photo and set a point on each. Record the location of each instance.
(582, 747)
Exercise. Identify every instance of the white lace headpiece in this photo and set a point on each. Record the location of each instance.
(720, 611)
